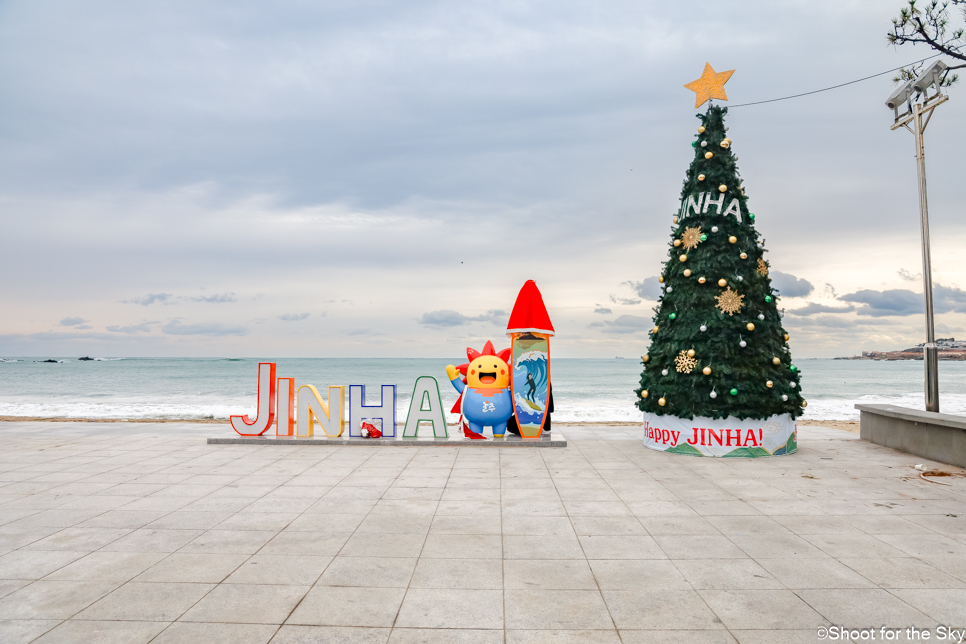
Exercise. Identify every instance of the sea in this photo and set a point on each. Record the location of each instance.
(585, 390)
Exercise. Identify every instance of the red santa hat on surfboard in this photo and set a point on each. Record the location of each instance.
(529, 312)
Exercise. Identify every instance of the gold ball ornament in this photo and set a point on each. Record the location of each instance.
(674, 221)
(645, 358)
(787, 337)
(722, 282)
(776, 360)
(750, 326)
(708, 155)
(683, 258)
(726, 143)
(661, 279)
(700, 177)
(655, 329)
(687, 272)
(744, 256)
(804, 404)
(702, 280)
(661, 402)
(768, 384)
(722, 188)
(677, 242)
(690, 353)
(644, 394)
(706, 371)
(700, 129)
(732, 239)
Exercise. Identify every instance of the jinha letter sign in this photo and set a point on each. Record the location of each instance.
(773, 436)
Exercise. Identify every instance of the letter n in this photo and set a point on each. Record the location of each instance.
(266, 405)
(312, 408)
(425, 406)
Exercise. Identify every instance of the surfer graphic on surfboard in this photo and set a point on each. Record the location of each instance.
(530, 330)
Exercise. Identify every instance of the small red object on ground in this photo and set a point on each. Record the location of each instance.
(370, 431)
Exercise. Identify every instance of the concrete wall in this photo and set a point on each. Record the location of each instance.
(938, 437)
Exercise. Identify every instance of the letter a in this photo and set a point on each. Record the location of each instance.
(266, 404)
(733, 209)
(426, 405)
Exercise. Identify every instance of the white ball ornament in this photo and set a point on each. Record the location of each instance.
(792, 385)
(669, 289)
(664, 372)
(761, 316)
(741, 279)
(703, 328)
(742, 344)
(713, 394)
(704, 144)
(784, 398)
(714, 229)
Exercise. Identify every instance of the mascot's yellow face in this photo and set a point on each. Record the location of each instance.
(488, 372)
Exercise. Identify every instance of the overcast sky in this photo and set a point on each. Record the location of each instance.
(378, 179)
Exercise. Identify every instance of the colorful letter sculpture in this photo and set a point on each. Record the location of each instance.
(530, 329)
(426, 405)
(384, 412)
(266, 404)
(285, 396)
(485, 399)
(312, 408)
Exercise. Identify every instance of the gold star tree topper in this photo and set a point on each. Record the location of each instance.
(710, 85)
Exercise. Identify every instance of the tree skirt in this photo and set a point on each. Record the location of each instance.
(729, 437)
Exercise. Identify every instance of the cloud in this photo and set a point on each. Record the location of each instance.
(897, 301)
(151, 298)
(133, 328)
(790, 286)
(449, 318)
(948, 299)
(627, 324)
(72, 322)
(811, 308)
(203, 328)
(213, 299)
(293, 317)
(909, 276)
(649, 289)
(602, 310)
(83, 327)
(626, 301)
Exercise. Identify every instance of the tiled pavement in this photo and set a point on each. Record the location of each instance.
(143, 533)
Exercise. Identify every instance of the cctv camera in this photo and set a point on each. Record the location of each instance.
(930, 76)
(900, 96)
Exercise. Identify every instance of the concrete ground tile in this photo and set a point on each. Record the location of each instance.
(537, 526)
(107, 566)
(861, 607)
(468, 508)
(658, 574)
(13, 537)
(463, 546)
(154, 602)
(785, 507)
(806, 636)
(8, 586)
(532, 574)
(758, 524)
(534, 509)
(183, 520)
(816, 573)
(290, 634)
(607, 526)
(876, 525)
(395, 524)
(680, 525)
(79, 539)
(246, 604)
(852, 545)
(346, 606)
(777, 546)
(52, 599)
(229, 542)
(597, 509)
(445, 636)
(804, 525)
(73, 631)
(382, 545)
(21, 631)
(296, 570)
(546, 547)
(122, 519)
(193, 568)
(767, 609)
(374, 572)
(35, 564)
(148, 540)
(462, 524)
(902, 572)
(556, 609)
(665, 610)
(614, 547)
(926, 545)
(55, 518)
(945, 606)
(325, 523)
(458, 573)
(199, 632)
(676, 637)
(661, 509)
(699, 547)
(563, 637)
(432, 608)
(721, 507)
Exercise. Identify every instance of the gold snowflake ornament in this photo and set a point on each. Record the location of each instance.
(691, 237)
(729, 302)
(684, 363)
(762, 267)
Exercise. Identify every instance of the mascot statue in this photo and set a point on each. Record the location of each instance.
(485, 398)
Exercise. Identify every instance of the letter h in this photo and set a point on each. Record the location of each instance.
(384, 411)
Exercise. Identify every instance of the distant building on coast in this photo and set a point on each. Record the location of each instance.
(948, 349)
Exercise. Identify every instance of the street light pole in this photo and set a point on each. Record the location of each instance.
(930, 355)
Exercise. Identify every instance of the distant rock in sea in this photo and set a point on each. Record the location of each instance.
(87, 358)
(54, 361)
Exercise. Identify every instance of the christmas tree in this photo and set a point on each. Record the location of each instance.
(718, 348)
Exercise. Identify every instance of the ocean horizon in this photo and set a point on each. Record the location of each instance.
(585, 389)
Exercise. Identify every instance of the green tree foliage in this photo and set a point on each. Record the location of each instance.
(739, 375)
(934, 24)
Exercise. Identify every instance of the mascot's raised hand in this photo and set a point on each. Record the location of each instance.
(485, 398)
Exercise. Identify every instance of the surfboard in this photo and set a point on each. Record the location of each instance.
(530, 381)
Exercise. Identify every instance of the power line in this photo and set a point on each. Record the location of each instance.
(859, 80)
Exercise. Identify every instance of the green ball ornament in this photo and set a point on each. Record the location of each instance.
(768, 299)
(733, 392)
(793, 368)
(704, 238)
(694, 144)
(751, 216)
(672, 316)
